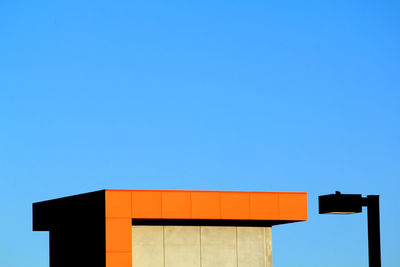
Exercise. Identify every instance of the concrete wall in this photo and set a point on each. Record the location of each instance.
(201, 246)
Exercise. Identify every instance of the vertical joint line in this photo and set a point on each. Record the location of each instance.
(265, 247)
(191, 205)
(201, 263)
(163, 250)
(237, 252)
(249, 204)
(220, 205)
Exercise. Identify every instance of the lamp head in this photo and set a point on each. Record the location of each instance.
(340, 203)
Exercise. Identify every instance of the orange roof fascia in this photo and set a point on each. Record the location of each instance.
(206, 205)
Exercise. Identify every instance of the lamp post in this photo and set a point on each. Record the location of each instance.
(352, 203)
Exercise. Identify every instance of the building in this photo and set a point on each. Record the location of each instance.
(155, 228)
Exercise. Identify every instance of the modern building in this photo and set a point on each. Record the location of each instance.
(160, 228)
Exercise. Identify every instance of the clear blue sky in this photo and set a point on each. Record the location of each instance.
(203, 95)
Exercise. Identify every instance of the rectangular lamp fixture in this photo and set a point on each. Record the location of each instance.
(340, 203)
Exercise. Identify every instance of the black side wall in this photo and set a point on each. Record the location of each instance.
(77, 229)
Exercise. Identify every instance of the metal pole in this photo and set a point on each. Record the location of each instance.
(374, 239)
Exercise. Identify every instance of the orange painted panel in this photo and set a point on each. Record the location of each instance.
(264, 206)
(206, 205)
(292, 206)
(118, 259)
(176, 205)
(118, 204)
(146, 204)
(118, 235)
(235, 206)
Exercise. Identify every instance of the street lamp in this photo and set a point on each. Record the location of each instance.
(352, 203)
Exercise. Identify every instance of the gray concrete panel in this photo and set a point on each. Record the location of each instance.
(268, 245)
(182, 246)
(147, 246)
(252, 247)
(218, 247)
